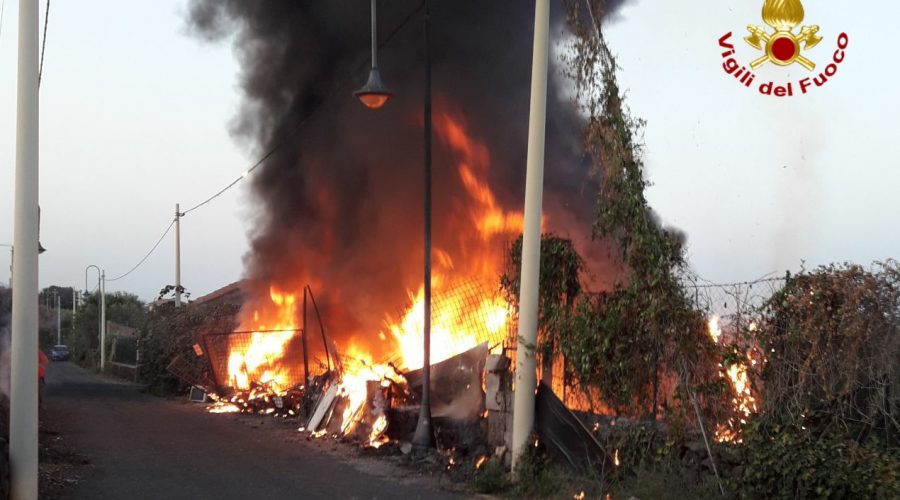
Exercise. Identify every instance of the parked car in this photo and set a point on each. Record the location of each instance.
(59, 353)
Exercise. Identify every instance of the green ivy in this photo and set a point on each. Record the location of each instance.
(788, 462)
(623, 342)
(560, 268)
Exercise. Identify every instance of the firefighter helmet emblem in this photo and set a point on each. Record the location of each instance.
(783, 47)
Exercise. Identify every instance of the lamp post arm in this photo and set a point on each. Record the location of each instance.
(86, 275)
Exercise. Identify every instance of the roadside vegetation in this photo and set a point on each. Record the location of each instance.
(84, 339)
(169, 332)
(820, 351)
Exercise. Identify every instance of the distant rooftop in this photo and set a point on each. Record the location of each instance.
(233, 293)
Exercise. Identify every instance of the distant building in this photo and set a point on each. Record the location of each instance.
(114, 329)
(229, 294)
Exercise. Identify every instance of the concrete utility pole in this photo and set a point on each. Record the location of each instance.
(177, 256)
(23, 414)
(523, 406)
(102, 320)
(101, 287)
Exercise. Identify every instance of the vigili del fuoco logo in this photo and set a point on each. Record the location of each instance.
(787, 43)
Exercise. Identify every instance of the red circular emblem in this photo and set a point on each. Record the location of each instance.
(784, 49)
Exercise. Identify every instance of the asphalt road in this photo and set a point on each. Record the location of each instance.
(143, 447)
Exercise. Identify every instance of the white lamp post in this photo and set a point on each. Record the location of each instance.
(526, 377)
(23, 415)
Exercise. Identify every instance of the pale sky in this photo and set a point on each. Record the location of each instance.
(135, 114)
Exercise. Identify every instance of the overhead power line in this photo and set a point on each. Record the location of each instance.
(289, 136)
(315, 107)
(146, 256)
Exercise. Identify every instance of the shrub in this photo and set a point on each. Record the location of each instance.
(172, 331)
(831, 338)
(787, 462)
(492, 478)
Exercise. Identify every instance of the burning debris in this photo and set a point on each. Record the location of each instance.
(339, 198)
(260, 367)
(340, 211)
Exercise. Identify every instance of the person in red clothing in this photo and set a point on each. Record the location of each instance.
(42, 370)
(42, 365)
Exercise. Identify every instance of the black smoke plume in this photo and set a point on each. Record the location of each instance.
(340, 200)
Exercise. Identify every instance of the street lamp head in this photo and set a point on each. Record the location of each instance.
(374, 94)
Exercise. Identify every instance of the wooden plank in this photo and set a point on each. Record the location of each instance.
(324, 404)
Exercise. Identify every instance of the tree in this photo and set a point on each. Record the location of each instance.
(65, 293)
(168, 292)
(121, 307)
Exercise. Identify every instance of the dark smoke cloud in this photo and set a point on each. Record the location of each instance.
(340, 202)
(611, 7)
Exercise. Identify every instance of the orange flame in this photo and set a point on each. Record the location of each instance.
(460, 322)
(260, 360)
(461, 318)
(452, 329)
(489, 218)
(744, 402)
(713, 328)
(358, 371)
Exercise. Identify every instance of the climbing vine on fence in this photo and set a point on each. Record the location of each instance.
(626, 342)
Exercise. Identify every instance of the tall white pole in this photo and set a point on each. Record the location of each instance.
(102, 320)
(58, 321)
(526, 377)
(23, 416)
(177, 256)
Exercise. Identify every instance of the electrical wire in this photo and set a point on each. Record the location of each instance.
(272, 151)
(146, 256)
(44, 43)
(296, 129)
(741, 283)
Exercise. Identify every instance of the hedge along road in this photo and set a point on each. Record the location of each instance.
(142, 447)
